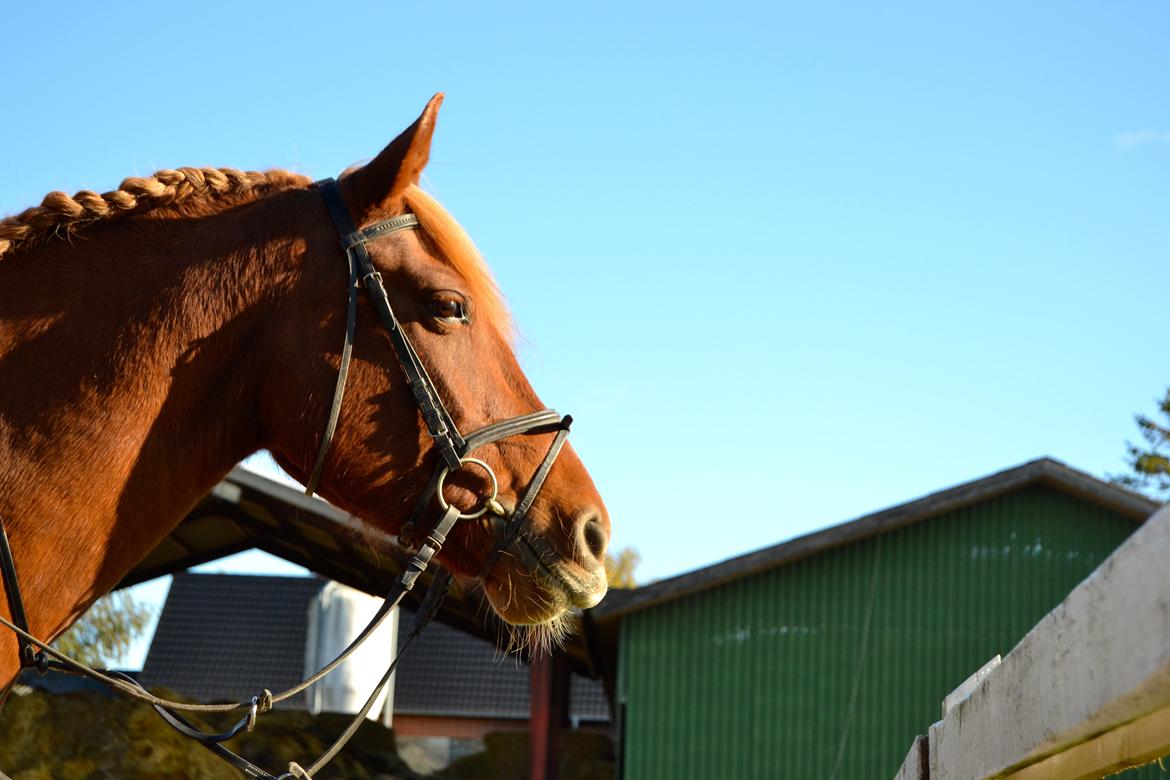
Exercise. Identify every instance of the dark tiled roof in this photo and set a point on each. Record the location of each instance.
(226, 636)
(447, 672)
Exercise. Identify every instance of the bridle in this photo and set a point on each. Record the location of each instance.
(452, 447)
(425, 540)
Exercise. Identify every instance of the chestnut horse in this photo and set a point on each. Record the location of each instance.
(153, 336)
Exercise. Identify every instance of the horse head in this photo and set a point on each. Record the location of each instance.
(382, 454)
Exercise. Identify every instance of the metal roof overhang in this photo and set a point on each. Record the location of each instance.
(1042, 471)
(247, 511)
(603, 621)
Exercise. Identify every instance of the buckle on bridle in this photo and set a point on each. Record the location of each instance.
(406, 535)
(32, 658)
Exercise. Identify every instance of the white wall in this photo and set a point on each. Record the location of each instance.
(336, 617)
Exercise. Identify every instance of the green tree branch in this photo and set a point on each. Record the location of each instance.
(104, 633)
(1150, 460)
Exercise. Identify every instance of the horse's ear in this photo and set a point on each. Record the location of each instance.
(379, 185)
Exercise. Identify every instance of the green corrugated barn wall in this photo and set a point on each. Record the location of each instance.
(829, 666)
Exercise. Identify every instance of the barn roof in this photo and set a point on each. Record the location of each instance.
(448, 673)
(1044, 471)
(247, 511)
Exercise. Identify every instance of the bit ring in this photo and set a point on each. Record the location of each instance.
(487, 502)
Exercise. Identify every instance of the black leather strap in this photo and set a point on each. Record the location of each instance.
(452, 446)
(440, 585)
(435, 415)
(536, 422)
(543, 421)
(515, 523)
(342, 378)
(30, 657)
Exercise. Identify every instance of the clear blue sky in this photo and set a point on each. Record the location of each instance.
(785, 264)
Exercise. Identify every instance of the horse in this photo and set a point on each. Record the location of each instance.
(153, 336)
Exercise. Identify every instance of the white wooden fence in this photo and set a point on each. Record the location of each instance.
(1085, 694)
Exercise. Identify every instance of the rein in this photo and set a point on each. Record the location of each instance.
(453, 450)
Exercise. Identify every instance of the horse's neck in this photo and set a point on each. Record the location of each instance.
(127, 389)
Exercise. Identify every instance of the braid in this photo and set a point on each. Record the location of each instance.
(60, 213)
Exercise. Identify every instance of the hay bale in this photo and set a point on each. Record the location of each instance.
(88, 736)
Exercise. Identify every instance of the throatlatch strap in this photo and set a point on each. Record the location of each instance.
(351, 242)
(342, 377)
(438, 421)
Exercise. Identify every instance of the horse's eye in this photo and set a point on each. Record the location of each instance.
(449, 309)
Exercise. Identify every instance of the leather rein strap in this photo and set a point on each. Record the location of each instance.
(453, 452)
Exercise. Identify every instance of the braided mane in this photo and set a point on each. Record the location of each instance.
(61, 214)
(193, 189)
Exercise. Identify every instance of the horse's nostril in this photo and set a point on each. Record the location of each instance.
(596, 539)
